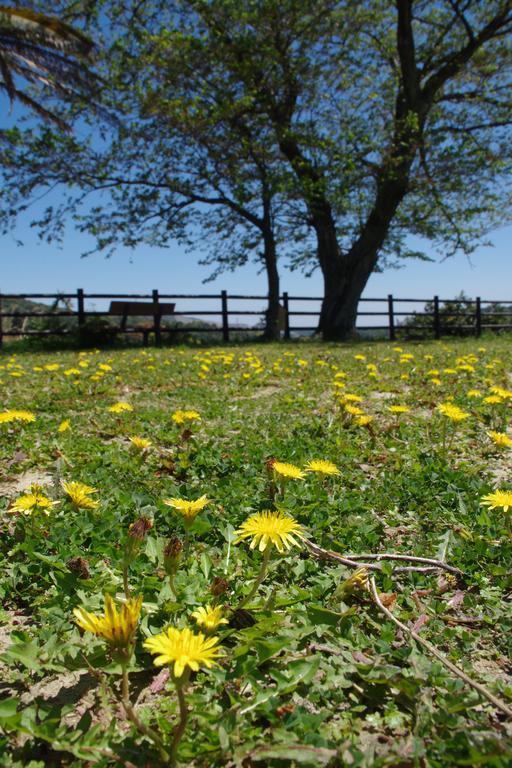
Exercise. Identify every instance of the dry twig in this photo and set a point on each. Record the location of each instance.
(354, 561)
(482, 690)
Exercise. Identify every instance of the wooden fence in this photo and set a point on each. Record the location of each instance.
(476, 318)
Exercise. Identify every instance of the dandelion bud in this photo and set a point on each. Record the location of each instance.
(270, 465)
(139, 528)
(186, 435)
(356, 582)
(219, 586)
(136, 534)
(80, 566)
(172, 555)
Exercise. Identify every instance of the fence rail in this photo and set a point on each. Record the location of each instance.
(478, 314)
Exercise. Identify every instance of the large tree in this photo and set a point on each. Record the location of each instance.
(392, 118)
(173, 169)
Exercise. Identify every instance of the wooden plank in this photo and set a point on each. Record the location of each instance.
(140, 308)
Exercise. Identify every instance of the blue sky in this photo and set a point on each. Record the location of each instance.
(39, 267)
(36, 266)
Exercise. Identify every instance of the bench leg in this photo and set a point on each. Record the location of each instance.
(145, 338)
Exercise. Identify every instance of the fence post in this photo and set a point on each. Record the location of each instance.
(225, 316)
(391, 316)
(80, 305)
(286, 316)
(157, 318)
(478, 316)
(437, 323)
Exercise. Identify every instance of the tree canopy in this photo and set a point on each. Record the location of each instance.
(359, 124)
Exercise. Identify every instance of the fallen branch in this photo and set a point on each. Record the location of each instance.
(354, 561)
(409, 559)
(329, 555)
(482, 690)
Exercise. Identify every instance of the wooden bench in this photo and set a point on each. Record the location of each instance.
(126, 309)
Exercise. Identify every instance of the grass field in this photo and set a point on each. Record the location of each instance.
(306, 669)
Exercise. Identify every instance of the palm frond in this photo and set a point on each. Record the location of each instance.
(8, 81)
(54, 64)
(40, 110)
(25, 24)
(44, 51)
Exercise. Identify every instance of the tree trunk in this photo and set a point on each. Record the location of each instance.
(272, 331)
(346, 275)
(343, 287)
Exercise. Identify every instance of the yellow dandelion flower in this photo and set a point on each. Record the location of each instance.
(353, 410)
(183, 417)
(32, 500)
(399, 409)
(452, 412)
(79, 494)
(322, 467)
(506, 394)
(188, 509)
(209, 618)
(500, 439)
(283, 469)
(267, 528)
(140, 443)
(364, 420)
(497, 499)
(474, 393)
(183, 648)
(64, 426)
(120, 407)
(8, 416)
(116, 627)
(350, 397)
(493, 400)
(72, 372)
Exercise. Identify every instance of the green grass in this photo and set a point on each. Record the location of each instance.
(320, 677)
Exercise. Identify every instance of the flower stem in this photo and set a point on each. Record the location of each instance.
(131, 714)
(259, 578)
(182, 723)
(126, 586)
(186, 540)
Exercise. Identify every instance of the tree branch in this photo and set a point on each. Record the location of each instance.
(482, 690)
(454, 62)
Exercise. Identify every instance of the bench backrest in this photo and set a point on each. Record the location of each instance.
(140, 308)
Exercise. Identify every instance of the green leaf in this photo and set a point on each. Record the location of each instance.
(317, 614)
(9, 715)
(26, 653)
